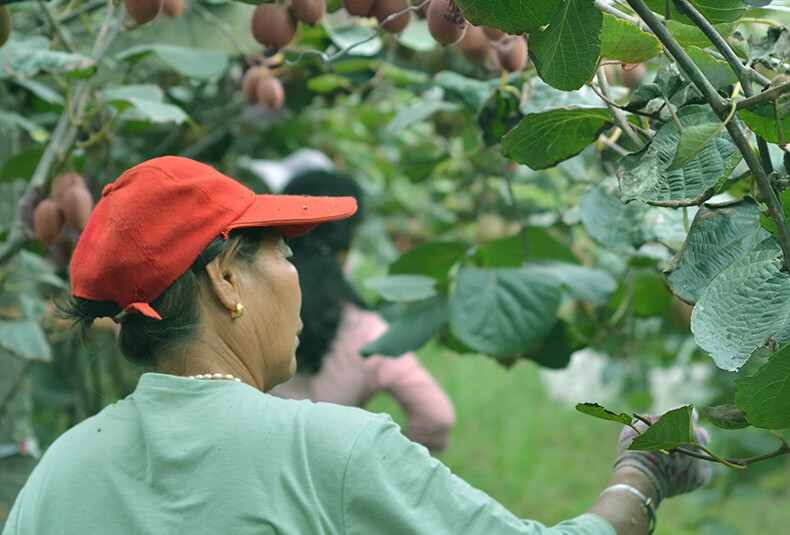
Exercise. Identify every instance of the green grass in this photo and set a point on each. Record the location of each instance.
(545, 461)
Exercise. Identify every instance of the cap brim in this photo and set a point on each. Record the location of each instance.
(294, 214)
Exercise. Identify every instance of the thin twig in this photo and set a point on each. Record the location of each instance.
(766, 96)
(612, 145)
(696, 201)
(617, 115)
(56, 27)
(721, 107)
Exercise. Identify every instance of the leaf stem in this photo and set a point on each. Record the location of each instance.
(720, 106)
(766, 96)
(617, 115)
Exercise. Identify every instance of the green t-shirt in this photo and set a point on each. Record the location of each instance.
(188, 456)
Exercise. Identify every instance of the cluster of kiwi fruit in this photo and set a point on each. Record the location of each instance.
(69, 203)
(143, 11)
(262, 87)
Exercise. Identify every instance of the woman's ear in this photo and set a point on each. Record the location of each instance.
(224, 285)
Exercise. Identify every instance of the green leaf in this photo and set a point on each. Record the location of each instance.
(624, 41)
(555, 350)
(470, 91)
(763, 120)
(613, 224)
(647, 175)
(27, 58)
(431, 259)
(41, 91)
(503, 311)
(566, 52)
(542, 140)
(718, 72)
(419, 323)
(672, 430)
(419, 112)
(34, 130)
(596, 410)
(143, 103)
(654, 296)
(768, 223)
(714, 11)
(399, 75)
(509, 252)
(586, 283)
(186, 61)
(327, 83)
(511, 16)
(24, 339)
(692, 140)
(690, 35)
(765, 395)
(403, 287)
(499, 114)
(743, 306)
(719, 235)
(725, 416)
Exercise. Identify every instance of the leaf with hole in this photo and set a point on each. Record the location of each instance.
(598, 411)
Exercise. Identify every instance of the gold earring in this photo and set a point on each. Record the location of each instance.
(236, 314)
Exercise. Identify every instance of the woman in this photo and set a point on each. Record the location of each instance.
(194, 266)
(337, 324)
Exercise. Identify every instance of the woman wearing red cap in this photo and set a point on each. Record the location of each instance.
(194, 267)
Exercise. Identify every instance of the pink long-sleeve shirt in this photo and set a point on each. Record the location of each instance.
(347, 378)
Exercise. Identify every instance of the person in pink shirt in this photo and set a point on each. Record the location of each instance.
(337, 324)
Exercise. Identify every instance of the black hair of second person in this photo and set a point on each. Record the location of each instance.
(325, 288)
(143, 338)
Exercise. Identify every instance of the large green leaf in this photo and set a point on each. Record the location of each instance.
(692, 140)
(419, 323)
(690, 35)
(765, 396)
(544, 139)
(624, 41)
(586, 283)
(718, 72)
(673, 429)
(598, 411)
(29, 57)
(715, 11)
(647, 175)
(613, 224)
(24, 339)
(417, 113)
(143, 103)
(767, 122)
(511, 16)
(503, 311)
(566, 52)
(498, 114)
(719, 235)
(431, 259)
(744, 307)
(186, 61)
(403, 287)
(509, 252)
(470, 91)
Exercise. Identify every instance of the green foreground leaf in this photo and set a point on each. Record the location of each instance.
(419, 323)
(511, 16)
(625, 42)
(672, 430)
(765, 396)
(596, 410)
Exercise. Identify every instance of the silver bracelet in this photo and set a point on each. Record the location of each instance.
(647, 503)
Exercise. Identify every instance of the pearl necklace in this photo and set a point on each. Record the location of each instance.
(208, 376)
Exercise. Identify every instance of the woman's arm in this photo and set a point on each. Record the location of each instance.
(623, 510)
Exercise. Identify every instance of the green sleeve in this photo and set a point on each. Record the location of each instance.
(12, 522)
(393, 485)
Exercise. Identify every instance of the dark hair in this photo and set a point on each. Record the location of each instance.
(325, 288)
(143, 338)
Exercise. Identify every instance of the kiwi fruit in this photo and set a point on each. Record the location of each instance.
(474, 45)
(359, 8)
(173, 8)
(273, 25)
(76, 205)
(142, 11)
(63, 182)
(511, 53)
(309, 11)
(384, 8)
(445, 22)
(5, 24)
(269, 91)
(47, 221)
(250, 80)
(493, 34)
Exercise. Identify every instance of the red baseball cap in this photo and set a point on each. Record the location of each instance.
(154, 221)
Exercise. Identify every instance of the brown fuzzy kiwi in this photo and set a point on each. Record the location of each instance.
(309, 11)
(47, 221)
(493, 34)
(445, 22)
(250, 81)
(64, 182)
(173, 8)
(142, 11)
(5, 24)
(384, 8)
(269, 91)
(77, 205)
(359, 8)
(422, 12)
(511, 53)
(273, 25)
(474, 45)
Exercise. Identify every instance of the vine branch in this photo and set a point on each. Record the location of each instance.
(619, 117)
(722, 108)
(761, 98)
